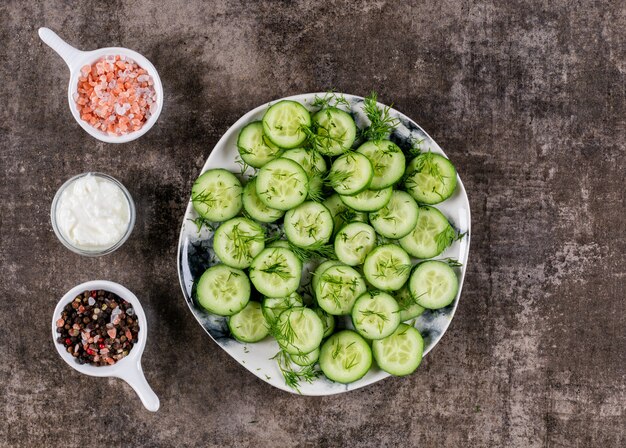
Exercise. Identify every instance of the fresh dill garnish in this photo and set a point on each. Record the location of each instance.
(330, 99)
(379, 317)
(242, 242)
(205, 197)
(338, 178)
(202, 222)
(292, 376)
(243, 166)
(315, 251)
(381, 122)
(415, 149)
(446, 237)
(453, 262)
(321, 138)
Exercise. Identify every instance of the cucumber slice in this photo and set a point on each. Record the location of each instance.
(335, 130)
(307, 359)
(254, 148)
(249, 325)
(345, 357)
(255, 207)
(342, 214)
(328, 320)
(350, 173)
(387, 160)
(338, 288)
(400, 353)
(313, 165)
(375, 315)
(397, 218)
(273, 306)
(409, 308)
(431, 236)
(280, 243)
(216, 195)
(309, 224)
(387, 267)
(320, 270)
(368, 200)
(353, 242)
(283, 123)
(223, 290)
(431, 178)
(238, 241)
(282, 184)
(276, 272)
(434, 284)
(298, 330)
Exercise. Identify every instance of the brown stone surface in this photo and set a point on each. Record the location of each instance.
(528, 98)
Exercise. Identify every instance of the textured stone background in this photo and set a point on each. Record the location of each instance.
(528, 98)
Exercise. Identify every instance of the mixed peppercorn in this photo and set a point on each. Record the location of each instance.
(98, 328)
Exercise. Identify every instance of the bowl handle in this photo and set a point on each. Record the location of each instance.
(135, 378)
(70, 55)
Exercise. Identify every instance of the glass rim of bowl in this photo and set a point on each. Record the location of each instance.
(95, 252)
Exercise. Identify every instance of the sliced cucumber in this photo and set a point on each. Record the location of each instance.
(313, 165)
(223, 290)
(431, 178)
(273, 306)
(255, 207)
(397, 218)
(353, 242)
(282, 184)
(283, 123)
(328, 320)
(298, 330)
(375, 315)
(387, 160)
(431, 236)
(434, 284)
(409, 308)
(335, 130)
(216, 195)
(307, 359)
(400, 353)
(338, 288)
(350, 173)
(387, 267)
(280, 243)
(254, 147)
(276, 272)
(345, 357)
(368, 200)
(238, 241)
(308, 224)
(342, 214)
(249, 325)
(320, 270)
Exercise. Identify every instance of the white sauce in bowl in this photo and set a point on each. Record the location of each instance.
(92, 213)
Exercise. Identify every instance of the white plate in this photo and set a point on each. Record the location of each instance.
(195, 255)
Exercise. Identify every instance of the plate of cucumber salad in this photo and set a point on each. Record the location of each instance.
(325, 243)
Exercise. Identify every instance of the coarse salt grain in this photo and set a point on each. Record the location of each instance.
(109, 89)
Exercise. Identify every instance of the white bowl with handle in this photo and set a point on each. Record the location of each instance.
(76, 59)
(128, 368)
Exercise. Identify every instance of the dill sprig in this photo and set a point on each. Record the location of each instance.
(453, 262)
(330, 99)
(319, 250)
(205, 197)
(380, 318)
(241, 242)
(446, 237)
(202, 222)
(292, 376)
(415, 149)
(381, 122)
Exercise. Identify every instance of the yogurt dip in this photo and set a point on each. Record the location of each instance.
(92, 213)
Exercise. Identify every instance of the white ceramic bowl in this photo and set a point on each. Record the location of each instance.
(75, 59)
(128, 368)
(195, 254)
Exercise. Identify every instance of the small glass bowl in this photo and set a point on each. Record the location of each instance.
(96, 252)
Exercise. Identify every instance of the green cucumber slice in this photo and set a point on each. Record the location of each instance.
(320, 270)
(223, 290)
(313, 165)
(216, 195)
(298, 330)
(387, 160)
(345, 357)
(338, 288)
(282, 184)
(249, 325)
(307, 359)
(375, 315)
(254, 148)
(434, 284)
(431, 236)
(276, 272)
(342, 214)
(350, 173)
(353, 242)
(309, 224)
(273, 306)
(401, 352)
(336, 131)
(237, 241)
(328, 320)
(397, 218)
(387, 267)
(283, 124)
(255, 207)
(431, 178)
(368, 200)
(409, 308)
